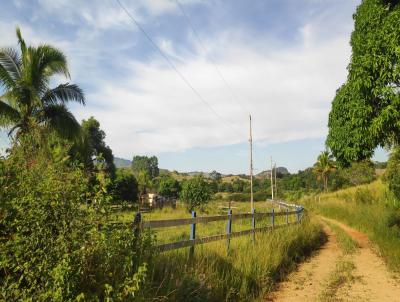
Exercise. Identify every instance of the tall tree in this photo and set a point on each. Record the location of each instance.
(28, 100)
(216, 176)
(147, 164)
(92, 148)
(323, 167)
(366, 110)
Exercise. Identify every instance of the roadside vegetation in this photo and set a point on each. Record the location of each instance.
(250, 270)
(370, 208)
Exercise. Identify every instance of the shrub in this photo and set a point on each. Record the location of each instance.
(392, 174)
(360, 172)
(168, 187)
(125, 186)
(52, 245)
(195, 193)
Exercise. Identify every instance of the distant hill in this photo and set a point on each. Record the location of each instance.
(279, 171)
(121, 162)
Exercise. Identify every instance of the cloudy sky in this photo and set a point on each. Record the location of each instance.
(281, 60)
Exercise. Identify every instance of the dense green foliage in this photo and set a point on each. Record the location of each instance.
(92, 150)
(125, 186)
(365, 111)
(324, 167)
(195, 192)
(52, 244)
(28, 100)
(145, 164)
(168, 187)
(392, 173)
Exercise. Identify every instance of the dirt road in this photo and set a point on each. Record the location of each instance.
(366, 277)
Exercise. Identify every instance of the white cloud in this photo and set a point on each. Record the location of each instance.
(287, 90)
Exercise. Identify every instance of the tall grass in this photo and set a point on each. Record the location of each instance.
(250, 270)
(371, 209)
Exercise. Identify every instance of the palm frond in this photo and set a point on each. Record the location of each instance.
(11, 63)
(21, 42)
(52, 61)
(8, 114)
(64, 93)
(59, 118)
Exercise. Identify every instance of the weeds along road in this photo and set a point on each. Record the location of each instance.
(346, 268)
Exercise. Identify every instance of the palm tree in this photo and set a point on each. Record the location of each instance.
(324, 166)
(28, 100)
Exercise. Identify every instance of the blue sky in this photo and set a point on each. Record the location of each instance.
(283, 59)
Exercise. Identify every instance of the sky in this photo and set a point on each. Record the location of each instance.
(281, 61)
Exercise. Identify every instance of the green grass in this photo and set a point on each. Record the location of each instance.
(368, 208)
(172, 234)
(249, 271)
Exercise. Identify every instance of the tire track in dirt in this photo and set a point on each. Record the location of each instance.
(372, 282)
(307, 281)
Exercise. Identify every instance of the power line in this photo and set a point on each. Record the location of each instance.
(213, 61)
(173, 66)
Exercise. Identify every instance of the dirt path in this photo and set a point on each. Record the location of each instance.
(308, 281)
(372, 281)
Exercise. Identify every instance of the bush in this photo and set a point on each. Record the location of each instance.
(392, 174)
(52, 245)
(168, 187)
(125, 186)
(195, 193)
(360, 173)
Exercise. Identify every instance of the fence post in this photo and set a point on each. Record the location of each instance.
(192, 235)
(287, 215)
(229, 229)
(253, 223)
(273, 218)
(137, 224)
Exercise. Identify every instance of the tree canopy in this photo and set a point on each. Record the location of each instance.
(366, 109)
(145, 164)
(324, 166)
(92, 149)
(28, 100)
(195, 192)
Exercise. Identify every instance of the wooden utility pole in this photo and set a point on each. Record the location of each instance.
(276, 187)
(251, 168)
(272, 181)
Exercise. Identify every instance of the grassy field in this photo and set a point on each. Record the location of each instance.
(248, 272)
(250, 269)
(178, 233)
(369, 208)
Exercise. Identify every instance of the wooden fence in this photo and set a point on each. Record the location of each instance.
(140, 225)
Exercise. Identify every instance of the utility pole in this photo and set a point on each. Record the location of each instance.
(272, 181)
(251, 168)
(276, 187)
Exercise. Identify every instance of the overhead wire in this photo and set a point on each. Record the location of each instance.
(212, 60)
(175, 68)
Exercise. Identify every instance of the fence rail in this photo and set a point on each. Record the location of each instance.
(194, 220)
